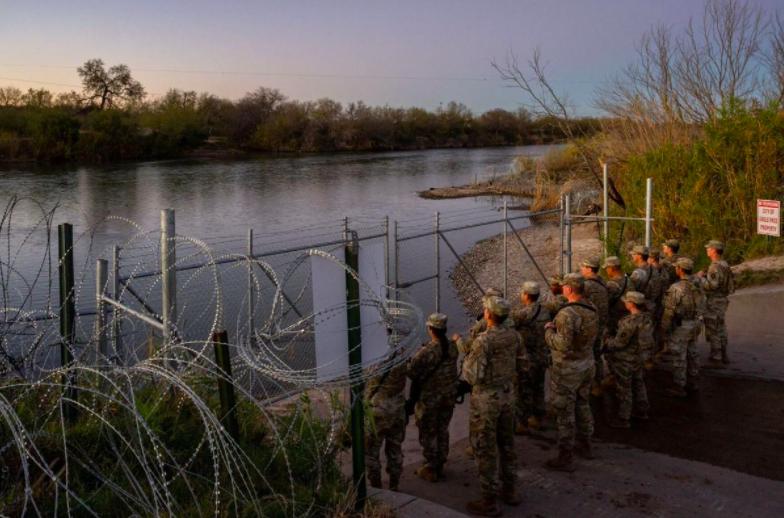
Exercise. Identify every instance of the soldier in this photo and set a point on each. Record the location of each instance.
(625, 353)
(492, 367)
(385, 396)
(529, 321)
(617, 285)
(556, 300)
(433, 368)
(596, 293)
(678, 325)
(641, 276)
(464, 344)
(670, 251)
(718, 284)
(570, 338)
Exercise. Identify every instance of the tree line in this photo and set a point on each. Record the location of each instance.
(112, 119)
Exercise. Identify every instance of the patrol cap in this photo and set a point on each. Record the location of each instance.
(611, 261)
(718, 245)
(655, 253)
(530, 288)
(672, 243)
(591, 262)
(574, 280)
(437, 321)
(639, 249)
(497, 306)
(634, 297)
(555, 280)
(685, 263)
(493, 292)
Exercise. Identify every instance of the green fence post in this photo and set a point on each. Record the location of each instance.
(65, 270)
(228, 401)
(355, 367)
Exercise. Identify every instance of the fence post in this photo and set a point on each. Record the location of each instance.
(355, 367)
(228, 401)
(568, 217)
(648, 210)
(397, 257)
(115, 311)
(101, 278)
(561, 245)
(438, 261)
(506, 264)
(606, 210)
(168, 274)
(251, 292)
(386, 254)
(65, 267)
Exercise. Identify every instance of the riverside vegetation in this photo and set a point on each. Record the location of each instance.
(111, 119)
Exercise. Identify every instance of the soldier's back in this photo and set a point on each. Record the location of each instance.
(529, 322)
(386, 391)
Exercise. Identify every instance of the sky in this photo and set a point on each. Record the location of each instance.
(400, 52)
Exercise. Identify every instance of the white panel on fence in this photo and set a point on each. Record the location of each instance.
(375, 344)
(769, 217)
(329, 293)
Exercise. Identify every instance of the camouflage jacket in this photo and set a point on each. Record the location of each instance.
(680, 305)
(700, 298)
(719, 282)
(496, 360)
(571, 342)
(616, 288)
(641, 279)
(668, 271)
(596, 292)
(480, 326)
(386, 392)
(634, 339)
(436, 372)
(529, 322)
(656, 287)
(553, 303)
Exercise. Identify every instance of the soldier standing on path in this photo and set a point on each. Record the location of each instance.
(596, 293)
(570, 338)
(464, 344)
(433, 368)
(670, 250)
(529, 321)
(641, 276)
(718, 284)
(617, 285)
(492, 368)
(659, 284)
(625, 353)
(385, 396)
(678, 325)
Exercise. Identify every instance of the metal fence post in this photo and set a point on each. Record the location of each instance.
(438, 261)
(397, 256)
(116, 295)
(568, 218)
(168, 275)
(606, 210)
(386, 254)
(648, 210)
(101, 278)
(251, 292)
(506, 264)
(65, 270)
(355, 367)
(228, 400)
(561, 245)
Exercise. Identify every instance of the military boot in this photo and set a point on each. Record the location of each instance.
(724, 358)
(394, 482)
(509, 496)
(485, 506)
(563, 462)
(374, 479)
(426, 473)
(583, 447)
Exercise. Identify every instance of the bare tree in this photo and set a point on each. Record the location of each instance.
(106, 88)
(10, 96)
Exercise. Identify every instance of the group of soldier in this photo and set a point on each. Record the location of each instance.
(594, 336)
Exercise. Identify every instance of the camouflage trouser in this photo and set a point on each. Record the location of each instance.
(570, 391)
(682, 352)
(715, 327)
(433, 424)
(630, 388)
(491, 430)
(530, 391)
(389, 429)
(598, 356)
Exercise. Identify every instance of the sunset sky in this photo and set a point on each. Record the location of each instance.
(401, 52)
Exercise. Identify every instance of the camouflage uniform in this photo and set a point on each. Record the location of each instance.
(679, 323)
(625, 353)
(492, 368)
(616, 288)
(668, 271)
(571, 346)
(385, 395)
(438, 374)
(718, 285)
(596, 292)
(529, 322)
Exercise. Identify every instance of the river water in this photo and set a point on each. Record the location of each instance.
(282, 199)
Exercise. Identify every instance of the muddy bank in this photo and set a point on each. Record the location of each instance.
(508, 186)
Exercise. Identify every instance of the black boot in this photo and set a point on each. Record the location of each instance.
(563, 462)
(583, 447)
